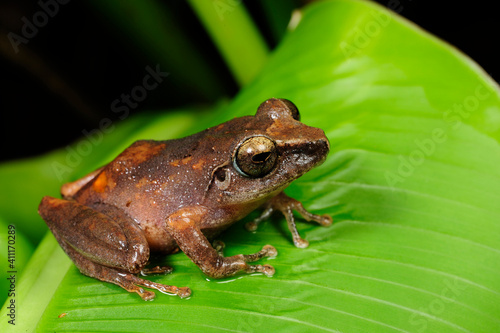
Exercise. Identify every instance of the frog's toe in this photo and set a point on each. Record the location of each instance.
(267, 251)
(156, 270)
(301, 243)
(251, 226)
(219, 246)
(270, 251)
(268, 270)
(146, 295)
(184, 292)
(126, 284)
(324, 220)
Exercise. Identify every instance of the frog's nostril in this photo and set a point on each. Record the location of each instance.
(325, 143)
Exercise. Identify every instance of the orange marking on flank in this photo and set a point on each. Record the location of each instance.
(175, 163)
(186, 160)
(199, 165)
(101, 183)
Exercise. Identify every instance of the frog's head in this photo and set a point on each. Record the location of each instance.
(267, 152)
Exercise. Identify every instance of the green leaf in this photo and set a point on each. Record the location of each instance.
(24, 183)
(412, 182)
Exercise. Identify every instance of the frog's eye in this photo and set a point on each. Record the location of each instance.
(256, 157)
(293, 109)
(278, 107)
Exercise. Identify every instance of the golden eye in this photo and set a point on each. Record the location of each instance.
(256, 156)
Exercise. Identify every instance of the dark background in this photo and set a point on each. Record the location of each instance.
(93, 67)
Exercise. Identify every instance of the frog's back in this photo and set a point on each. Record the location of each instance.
(147, 170)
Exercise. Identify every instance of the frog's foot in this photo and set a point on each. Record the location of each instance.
(267, 270)
(286, 206)
(242, 260)
(156, 270)
(267, 251)
(219, 246)
(135, 282)
(132, 283)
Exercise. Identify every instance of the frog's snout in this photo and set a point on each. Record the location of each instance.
(318, 144)
(321, 150)
(325, 143)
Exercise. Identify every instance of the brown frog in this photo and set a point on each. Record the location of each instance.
(164, 195)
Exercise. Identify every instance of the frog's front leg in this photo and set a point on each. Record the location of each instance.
(104, 243)
(184, 224)
(286, 206)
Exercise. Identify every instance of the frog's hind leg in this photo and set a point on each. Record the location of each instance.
(127, 281)
(104, 243)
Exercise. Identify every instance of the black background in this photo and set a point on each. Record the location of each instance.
(83, 50)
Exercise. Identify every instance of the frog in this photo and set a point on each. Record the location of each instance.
(161, 197)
